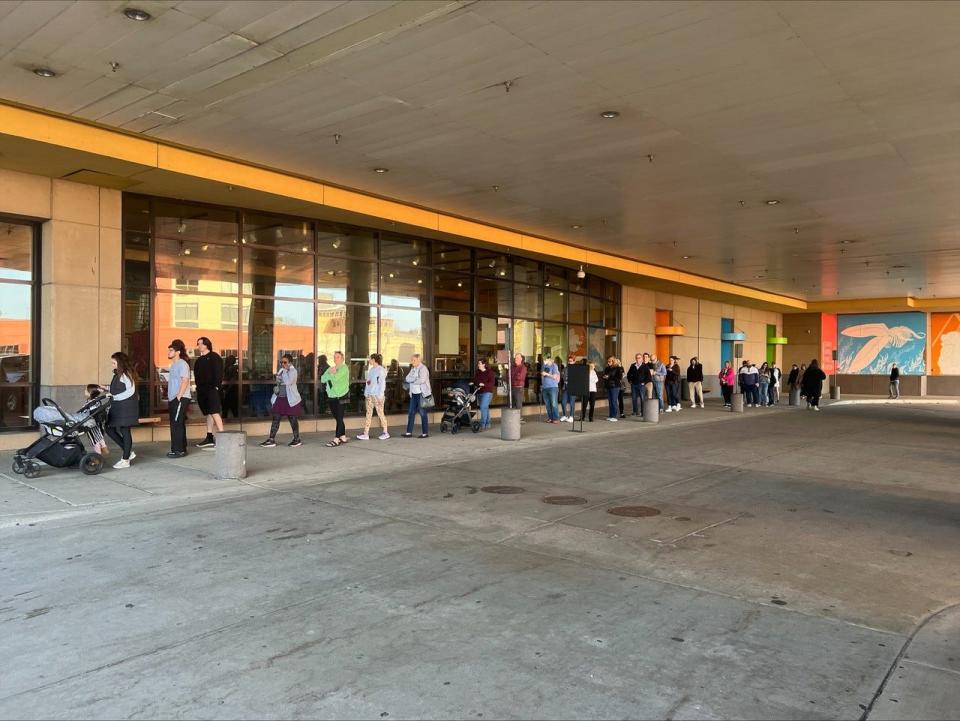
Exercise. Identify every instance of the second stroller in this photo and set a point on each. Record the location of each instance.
(460, 412)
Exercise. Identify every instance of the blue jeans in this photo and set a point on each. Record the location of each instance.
(613, 394)
(673, 394)
(658, 390)
(567, 400)
(764, 396)
(550, 401)
(636, 395)
(416, 406)
(485, 399)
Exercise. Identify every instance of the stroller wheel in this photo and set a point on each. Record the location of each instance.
(91, 464)
(19, 466)
(455, 427)
(475, 426)
(32, 469)
(444, 427)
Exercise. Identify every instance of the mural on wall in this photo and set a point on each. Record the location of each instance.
(870, 343)
(945, 344)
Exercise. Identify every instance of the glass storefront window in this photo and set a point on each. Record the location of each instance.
(452, 291)
(494, 297)
(345, 279)
(268, 272)
(452, 257)
(577, 312)
(578, 341)
(596, 312)
(450, 366)
(526, 301)
(18, 372)
(185, 221)
(197, 267)
(352, 330)
(555, 341)
(136, 260)
(526, 271)
(294, 236)
(527, 339)
(350, 242)
(401, 335)
(554, 277)
(275, 328)
(404, 251)
(405, 286)
(493, 265)
(611, 315)
(554, 305)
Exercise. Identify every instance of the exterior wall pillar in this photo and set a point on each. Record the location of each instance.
(80, 292)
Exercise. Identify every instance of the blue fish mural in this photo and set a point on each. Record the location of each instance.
(870, 343)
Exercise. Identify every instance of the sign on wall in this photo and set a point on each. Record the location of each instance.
(828, 342)
(945, 344)
(871, 343)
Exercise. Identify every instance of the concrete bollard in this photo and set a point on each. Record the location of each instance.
(231, 455)
(684, 389)
(795, 397)
(510, 424)
(736, 402)
(834, 393)
(651, 410)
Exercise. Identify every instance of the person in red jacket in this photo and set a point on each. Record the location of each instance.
(518, 381)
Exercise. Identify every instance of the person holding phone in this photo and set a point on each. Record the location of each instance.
(374, 393)
(551, 389)
(178, 397)
(285, 403)
(337, 381)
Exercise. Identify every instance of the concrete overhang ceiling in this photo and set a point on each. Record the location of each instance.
(847, 113)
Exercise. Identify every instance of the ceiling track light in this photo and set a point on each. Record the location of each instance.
(610, 114)
(576, 226)
(381, 171)
(137, 15)
(44, 73)
(772, 201)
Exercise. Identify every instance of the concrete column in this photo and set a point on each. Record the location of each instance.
(81, 298)
(231, 455)
(651, 410)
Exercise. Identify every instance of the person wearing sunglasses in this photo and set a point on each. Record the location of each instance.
(285, 402)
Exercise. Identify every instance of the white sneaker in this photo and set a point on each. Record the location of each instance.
(363, 437)
(693, 405)
(677, 408)
(701, 405)
(570, 419)
(121, 464)
(816, 408)
(613, 420)
(384, 436)
(132, 455)
(668, 409)
(563, 419)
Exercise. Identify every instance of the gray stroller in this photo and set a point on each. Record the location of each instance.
(61, 444)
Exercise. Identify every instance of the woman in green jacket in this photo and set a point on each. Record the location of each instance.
(336, 381)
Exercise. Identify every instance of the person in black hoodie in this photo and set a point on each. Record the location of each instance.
(695, 382)
(673, 385)
(208, 375)
(812, 384)
(894, 381)
(613, 377)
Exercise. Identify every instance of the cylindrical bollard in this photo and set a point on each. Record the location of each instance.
(835, 393)
(510, 424)
(231, 458)
(684, 389)
(795, 397)
(736, 402)
(651, 410)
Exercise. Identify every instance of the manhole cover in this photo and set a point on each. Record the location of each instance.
(634, 511)
(564, 500)
(503, 490)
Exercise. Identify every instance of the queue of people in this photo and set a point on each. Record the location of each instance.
(646, 378)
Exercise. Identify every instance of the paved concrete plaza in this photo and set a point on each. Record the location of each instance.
(799, 565)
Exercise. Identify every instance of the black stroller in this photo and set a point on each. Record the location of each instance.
(61, 444)
(460, 412)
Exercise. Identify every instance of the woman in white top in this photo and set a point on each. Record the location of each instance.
(373, 394)
(285, 401)
(418, 382)
(591, 399)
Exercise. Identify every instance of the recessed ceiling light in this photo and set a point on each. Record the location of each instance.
(609, 114)
(687, 257)
(576, 227)
(503, 272)
(772, 201)
(381, 171)
(137, 14)
(44, 72)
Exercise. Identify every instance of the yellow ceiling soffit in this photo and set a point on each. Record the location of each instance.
(70, 133)
(862, 305)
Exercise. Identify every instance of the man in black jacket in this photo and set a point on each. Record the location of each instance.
(208, 375)
(636, 385)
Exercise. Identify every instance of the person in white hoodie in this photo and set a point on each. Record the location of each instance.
(373, 394)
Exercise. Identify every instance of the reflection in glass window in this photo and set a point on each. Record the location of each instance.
(452, 257)
(527, 339)
(452, 291)
(16, 251)
(267, 272)
(450, 365)
(185, 221)
(526, 301)
(554, 305)
(136, 331)
(494, 297)
(404, 286)
(493, 265)
(401, 335)
(404, 251)
(578, 341)
(346, 241)
(555, 341)
(276, 327)
(15, 332)
(526, 271)
(266, 230)
(597, 347)
(491, 341)
(346, 279)
(554, 277)
(204, 267)
(352, 330)
(596, 311)
(577, 312)
(136, 260)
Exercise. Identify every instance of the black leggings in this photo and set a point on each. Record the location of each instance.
(590, 401)
(294, 426)
(336, 407)
(121, 436)
(727, 393)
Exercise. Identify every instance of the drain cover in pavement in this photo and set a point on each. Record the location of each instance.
(503, 490)
(564, 500)
(634, 511)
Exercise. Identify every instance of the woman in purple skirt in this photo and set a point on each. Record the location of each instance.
(286, 401)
